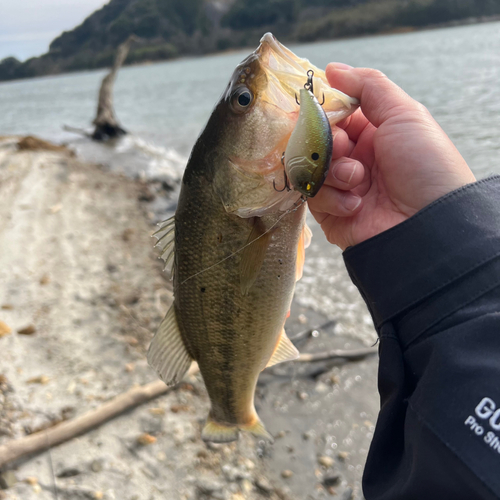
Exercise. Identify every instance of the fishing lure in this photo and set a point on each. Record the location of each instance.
(309, 151)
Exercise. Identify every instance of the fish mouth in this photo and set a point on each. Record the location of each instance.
(287, 74)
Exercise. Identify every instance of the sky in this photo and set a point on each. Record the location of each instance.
(28, 26)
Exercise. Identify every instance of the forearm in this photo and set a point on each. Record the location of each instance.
(432, 285)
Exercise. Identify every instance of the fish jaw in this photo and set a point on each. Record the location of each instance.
(289, 72)
(251, 182)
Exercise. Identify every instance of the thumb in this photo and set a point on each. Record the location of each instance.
(380, 98)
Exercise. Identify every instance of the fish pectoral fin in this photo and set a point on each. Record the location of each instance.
(166, 240)
(167, 353)
(253, 255)
(304, 242)
(284, 351)
(217, 432)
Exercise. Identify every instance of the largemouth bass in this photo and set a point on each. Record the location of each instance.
(236, 243)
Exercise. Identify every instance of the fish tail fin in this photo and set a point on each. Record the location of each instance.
(257, 429)
(218, 432)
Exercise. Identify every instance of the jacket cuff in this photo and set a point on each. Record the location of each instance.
(445, 241)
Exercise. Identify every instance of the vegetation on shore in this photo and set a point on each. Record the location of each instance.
(170, 28)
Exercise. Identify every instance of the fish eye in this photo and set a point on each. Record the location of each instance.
(244, 99)
(315, 156)
(241, 99)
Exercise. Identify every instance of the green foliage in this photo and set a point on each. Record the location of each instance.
(169, 28)
(246, 14)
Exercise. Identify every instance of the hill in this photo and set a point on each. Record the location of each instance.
(170, 28)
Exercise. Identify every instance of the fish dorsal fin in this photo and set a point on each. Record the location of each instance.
(253, 255)
(285, 351)
(166, 240)
(304, 242)
(167, 353)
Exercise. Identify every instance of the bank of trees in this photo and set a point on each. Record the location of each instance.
(169, 28)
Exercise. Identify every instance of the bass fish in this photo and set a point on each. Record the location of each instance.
(236, 243)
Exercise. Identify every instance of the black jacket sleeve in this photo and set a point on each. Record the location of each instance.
(432, 285)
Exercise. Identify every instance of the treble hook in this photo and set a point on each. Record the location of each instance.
(285, 178)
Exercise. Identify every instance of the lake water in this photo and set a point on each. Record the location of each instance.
(454, 72)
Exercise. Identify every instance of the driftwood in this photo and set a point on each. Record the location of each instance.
(337, 354)
(310, 333)
(41, 441)
(106, 123)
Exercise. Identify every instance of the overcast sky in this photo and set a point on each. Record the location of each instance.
(28, 26)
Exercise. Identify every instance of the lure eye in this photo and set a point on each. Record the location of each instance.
(315, 156)
(241, 99)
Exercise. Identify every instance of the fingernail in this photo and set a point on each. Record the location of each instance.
(351, 202)
(344, 171)
(339, 65)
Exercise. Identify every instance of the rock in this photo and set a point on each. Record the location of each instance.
(69, 472)
(286, 474)
(4, 329)
(302, 318)
(45, 279)
(234, 473)
(321, 388)
(331, 479)
(343, 455)
(27, 330)
(347, 494)
(41, 379)
(31, 143)
(280, 434)
(151, 424)
(7, 479)
(7, 307)
(208, 486)
(326, 461)
(145, 439)
(157, 411)
(264, 485)
(96, 465)
(246, 486)
(308, 435)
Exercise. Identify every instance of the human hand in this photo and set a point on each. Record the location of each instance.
(390, 160)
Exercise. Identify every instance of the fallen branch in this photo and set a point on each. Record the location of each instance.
(309, 333)
(41, 441)
(77, 130)
(337, 354)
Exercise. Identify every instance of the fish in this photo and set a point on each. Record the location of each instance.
(309, 151)
(236, 244)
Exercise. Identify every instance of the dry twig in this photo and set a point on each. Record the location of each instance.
(65, 431)
(337, 354)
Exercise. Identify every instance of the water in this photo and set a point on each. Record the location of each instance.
(454, 72)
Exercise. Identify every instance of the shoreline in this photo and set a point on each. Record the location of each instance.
(470, 21)
(83, 291)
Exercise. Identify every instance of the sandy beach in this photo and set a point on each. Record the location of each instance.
(82, 293)
(82, 290)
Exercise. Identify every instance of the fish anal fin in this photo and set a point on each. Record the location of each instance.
(304, 242)
(284, 351)
(253, 255)
(218, 432)
(167, 353)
